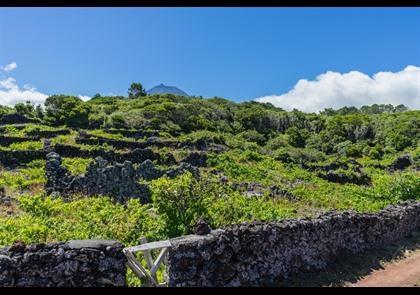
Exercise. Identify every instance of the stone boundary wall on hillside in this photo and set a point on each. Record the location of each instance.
(48, 133)
(117, 180)
(263, 254)
(79, 263)
(8, 140)
(16, 158)
(135, 156)
(85, 138)
(13, 159)
(138, 134)
(15, 118)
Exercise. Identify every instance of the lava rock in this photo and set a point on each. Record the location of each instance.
(202, 228)
(401, 162)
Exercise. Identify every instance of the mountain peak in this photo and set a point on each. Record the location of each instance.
(163, 89)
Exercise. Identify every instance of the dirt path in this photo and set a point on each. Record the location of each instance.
(404, 273)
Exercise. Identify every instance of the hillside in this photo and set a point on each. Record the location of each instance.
(193, 158)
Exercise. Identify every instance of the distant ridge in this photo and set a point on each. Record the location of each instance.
(163, 89)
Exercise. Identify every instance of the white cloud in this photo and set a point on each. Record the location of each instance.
(10, 67)
(10, 93)
(335, 90)
(84, 97)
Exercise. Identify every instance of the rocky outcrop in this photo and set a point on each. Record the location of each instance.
(79, 263)
(263, 254)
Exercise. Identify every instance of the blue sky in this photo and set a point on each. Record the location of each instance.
(236, 53)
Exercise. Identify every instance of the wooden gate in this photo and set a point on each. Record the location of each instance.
(146, 248)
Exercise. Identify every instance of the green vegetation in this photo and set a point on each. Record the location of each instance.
(297, 153)
(25, 146)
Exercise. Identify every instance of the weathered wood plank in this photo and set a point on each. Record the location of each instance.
(151, 246)
(158, 261)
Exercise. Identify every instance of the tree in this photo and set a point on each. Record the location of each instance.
(67, 110)
(25, 109)
(297, 136)
(39, 112)
(136, 90)
(96, 96)
(400, 108)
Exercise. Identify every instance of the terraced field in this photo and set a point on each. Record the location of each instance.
(154, 166)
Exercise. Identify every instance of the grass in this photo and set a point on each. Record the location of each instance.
(76, 166)
(23, 146)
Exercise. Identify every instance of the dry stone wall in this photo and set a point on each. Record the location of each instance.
(79, 263)
(12, 159)
(263, 254)
(133, 133)
(8, 140)
(15, 119)
(84, 138)
(118, 180)
(135, 156)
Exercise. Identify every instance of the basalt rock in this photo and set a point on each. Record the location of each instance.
(89, 263)
(16, 158)
(15, 119)
(118, 181)
(401, 163)
(182, 168)
(201, 227)
(148, 171)
(359, 178)
(198, 159)
(8, 140)
(267, 253)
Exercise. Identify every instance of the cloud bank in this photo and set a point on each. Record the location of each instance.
(11, 93)
(335, 90)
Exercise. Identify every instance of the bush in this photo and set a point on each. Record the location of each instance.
(181, 201)
(67, 110)
(48, 220)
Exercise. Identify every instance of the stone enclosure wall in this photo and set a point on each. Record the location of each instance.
(85, 138)
(118, 180)
(256, 254)
(83, 263)
(263, 254)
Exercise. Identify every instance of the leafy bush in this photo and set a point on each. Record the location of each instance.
(181, 201)
(46, 220)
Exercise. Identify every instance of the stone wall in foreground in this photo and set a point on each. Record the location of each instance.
(83, 263)
(262, 254)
